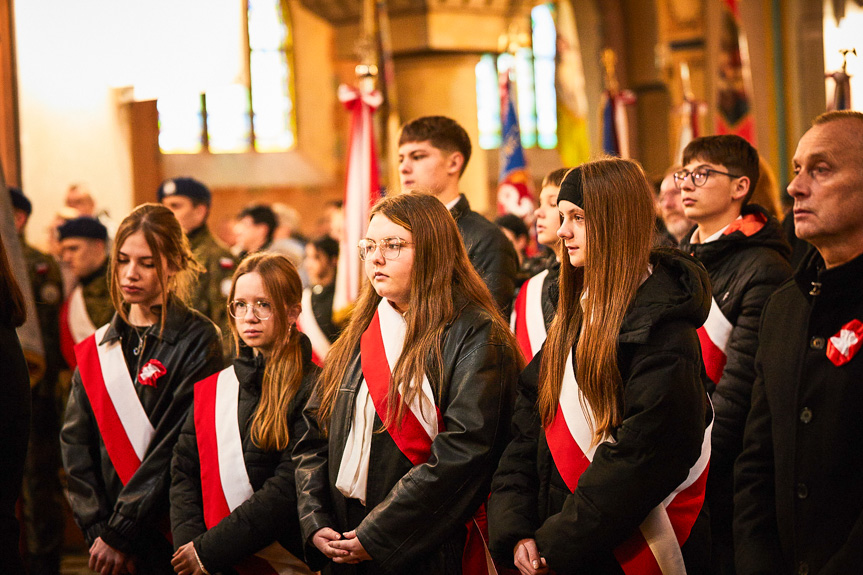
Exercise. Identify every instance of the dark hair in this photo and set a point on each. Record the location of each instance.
(731, 151)
(513, 223)
(13, 311)
(443, 133)
(554, 178)
(261, 214)
(327, 245)
(836, 115)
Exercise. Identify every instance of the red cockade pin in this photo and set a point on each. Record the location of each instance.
(151, 371)
(845, 344)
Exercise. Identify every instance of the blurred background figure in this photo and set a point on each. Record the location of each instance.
(286, 237)
(190, 201)
(253, 230)
(83, 250)
(515, 230)
(669, 206)
(80, 198)
(316, 318)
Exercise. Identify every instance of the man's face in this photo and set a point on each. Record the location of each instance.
(190, 215)
(828, 183)
(21, 218)
(712, 200)
(83, 255)
(670, 206)
(422, 166)
(248, 235)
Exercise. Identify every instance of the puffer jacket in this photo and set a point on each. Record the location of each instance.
(665, 413)
(270, 514)
(129, 516)
(490, 253)
(415, 515)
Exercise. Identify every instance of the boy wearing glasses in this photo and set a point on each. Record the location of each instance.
(746, 255)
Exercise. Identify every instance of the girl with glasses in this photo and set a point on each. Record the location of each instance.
(411, 412)
(130, 394)
(233, 499)
(612, 422)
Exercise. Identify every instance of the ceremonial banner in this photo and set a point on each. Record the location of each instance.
(734, 113)
(573, 142)
(514, 194)
(362, 189)
(615, 123)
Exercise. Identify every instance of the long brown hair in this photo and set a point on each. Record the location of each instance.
(166, 241)
(13, 310)
(441, 276)
(618, 209)
(283, 373)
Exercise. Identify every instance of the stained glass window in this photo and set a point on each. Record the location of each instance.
(240, 118)
(531, 71)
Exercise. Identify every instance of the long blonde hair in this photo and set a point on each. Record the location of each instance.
(283, 373)
(618, 208)
(441, 277)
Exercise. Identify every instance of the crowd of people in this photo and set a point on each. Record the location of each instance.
(657, 389)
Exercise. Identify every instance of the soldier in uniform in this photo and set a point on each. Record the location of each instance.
(190, 201)
(42, 495)
(83, 243)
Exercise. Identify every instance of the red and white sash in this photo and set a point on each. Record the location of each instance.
(714, 336)
(75, 325)
(308, 324)
(123, 424)
(527, 321)
(224, 480)
(655, 547)
(415, 435)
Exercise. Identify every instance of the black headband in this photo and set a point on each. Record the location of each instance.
(572, 188)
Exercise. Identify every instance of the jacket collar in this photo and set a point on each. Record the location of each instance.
(174, 322)
(250, 367)
(460, 208)
(813, 278)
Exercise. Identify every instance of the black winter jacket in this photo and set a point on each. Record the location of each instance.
(128, 517)
(665, 413)
(799, 496)
(415, 515)
(490, 253)
(270, 514)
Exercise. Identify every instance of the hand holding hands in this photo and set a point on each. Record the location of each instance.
(526, 557)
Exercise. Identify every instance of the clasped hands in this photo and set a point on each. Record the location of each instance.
(341, 548)
(526, 557)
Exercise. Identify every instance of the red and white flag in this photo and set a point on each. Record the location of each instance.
(362, 189)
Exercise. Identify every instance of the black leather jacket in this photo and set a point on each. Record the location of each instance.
(270, 514)
(490, 253)
(190, 349)
(416, 514)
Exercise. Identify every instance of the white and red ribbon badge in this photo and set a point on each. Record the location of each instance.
(846, 343)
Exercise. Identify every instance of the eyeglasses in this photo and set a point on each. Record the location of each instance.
(390, 248)
(698, 176)
(263, 310)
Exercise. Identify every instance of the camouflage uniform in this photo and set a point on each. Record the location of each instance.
(42, 495)
(210, 294)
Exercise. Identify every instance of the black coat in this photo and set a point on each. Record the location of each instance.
(665, 414)
(490, 253)
(128, 517)
(799, 494)
(415, 515)
(270, 514)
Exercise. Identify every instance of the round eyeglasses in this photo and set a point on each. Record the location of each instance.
(263, 310)
(390, 247)
(698, 176)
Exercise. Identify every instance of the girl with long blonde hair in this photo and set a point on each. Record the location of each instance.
(412, 410)
(232, 465)
(611, 426)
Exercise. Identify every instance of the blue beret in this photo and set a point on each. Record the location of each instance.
(20, 201)
(188, 187)
(83, 227)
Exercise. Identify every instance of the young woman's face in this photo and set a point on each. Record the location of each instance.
(547, 218)
(391, 277)
(573, 232)
(137, 274)
(255, 313)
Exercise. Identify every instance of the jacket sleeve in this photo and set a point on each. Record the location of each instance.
(655, 446)
(733, 394)
(187, 506)
(268, 515)
(80, 447)
(512, 507)
(756, 534)
(145, 495)
(435, 499)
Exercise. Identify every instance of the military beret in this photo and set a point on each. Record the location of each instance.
(83, 227)
(188, 187)
(20, 201)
